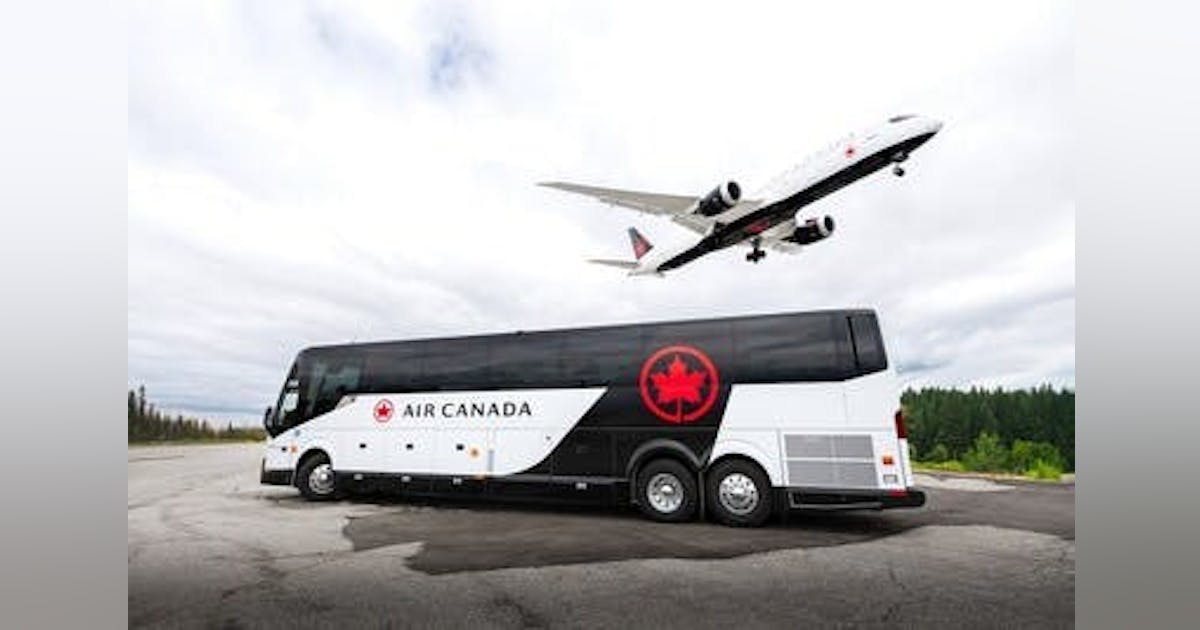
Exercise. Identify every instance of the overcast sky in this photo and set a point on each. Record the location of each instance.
(307, 173)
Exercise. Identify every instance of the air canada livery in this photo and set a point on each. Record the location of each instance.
(736, 418)
(768, 217)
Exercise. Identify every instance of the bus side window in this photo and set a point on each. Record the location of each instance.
(778, 349)
(599, 357)
(454, 364)
(868, 346)
(309, 395)
(520, 359)
(334, 385)
(393, 369)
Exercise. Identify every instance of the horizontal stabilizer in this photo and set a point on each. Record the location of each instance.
(623, 264)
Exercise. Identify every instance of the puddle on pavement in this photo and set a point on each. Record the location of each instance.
(477, 538)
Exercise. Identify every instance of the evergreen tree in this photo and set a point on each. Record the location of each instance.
(956, 419)
(146, 423)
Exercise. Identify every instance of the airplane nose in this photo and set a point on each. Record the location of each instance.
(935, 125)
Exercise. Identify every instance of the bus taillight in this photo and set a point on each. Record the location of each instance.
(901, 430)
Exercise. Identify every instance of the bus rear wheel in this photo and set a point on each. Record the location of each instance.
(738, 493)
(316, 480)
(667, 492)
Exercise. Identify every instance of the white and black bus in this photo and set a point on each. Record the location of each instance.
(735, 417)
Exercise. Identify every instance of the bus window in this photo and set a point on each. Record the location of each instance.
(601, 356)
(868, 347)
(286, 413)
(325, 380)
(779, 349)
(521, 359)
(336, 384)
(454, 364)
(393, 368)
(291, 400)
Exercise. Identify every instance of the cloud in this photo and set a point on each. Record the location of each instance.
(318, 173)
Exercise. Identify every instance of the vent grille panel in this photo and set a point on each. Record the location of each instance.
(830, 461)
(856, 475)
(847, 446)
(817, 474)
(808, 445)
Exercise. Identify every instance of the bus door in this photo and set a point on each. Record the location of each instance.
(330, 382)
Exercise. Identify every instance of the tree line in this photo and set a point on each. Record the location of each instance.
(992, 429)
(149, 424)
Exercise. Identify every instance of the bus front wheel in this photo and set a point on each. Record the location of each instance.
(316, 480)
(667, 491)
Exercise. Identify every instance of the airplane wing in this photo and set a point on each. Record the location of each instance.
(675, 207)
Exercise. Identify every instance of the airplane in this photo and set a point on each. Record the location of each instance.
(723, 218)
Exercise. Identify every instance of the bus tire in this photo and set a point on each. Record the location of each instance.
(738, 493)
(316, 480)
(667, 491)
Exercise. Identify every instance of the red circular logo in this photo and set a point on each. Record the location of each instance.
(679, 384)
(383, 410)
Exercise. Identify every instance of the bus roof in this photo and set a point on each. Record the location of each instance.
(604, 327)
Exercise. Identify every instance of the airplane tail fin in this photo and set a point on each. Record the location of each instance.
(640, 245)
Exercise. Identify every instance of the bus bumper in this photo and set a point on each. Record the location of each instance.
(275, 477)
(823, 499)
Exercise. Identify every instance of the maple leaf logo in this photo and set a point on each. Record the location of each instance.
(678, 384)
(678, 393)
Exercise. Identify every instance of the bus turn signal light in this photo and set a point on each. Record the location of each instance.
(888, 460)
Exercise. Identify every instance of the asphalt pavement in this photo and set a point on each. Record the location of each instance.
(210, 547)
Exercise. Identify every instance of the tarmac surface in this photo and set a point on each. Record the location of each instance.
(209, 547)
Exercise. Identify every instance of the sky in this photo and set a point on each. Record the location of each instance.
(309, 173)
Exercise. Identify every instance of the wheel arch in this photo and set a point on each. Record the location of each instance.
(309, 453)
(661, 447)
(739, 457)
(749, 451)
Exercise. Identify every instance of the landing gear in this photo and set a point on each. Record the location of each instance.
(898, 170)
(757, 253)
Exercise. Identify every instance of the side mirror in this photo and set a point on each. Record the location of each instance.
(267, 417)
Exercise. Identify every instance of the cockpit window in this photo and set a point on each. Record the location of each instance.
(896, 119)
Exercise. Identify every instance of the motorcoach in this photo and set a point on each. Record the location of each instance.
(734, 417)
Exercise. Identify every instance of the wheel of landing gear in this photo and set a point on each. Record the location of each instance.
(898, 170)
(738, 493)
(316, 480)
(667, 491)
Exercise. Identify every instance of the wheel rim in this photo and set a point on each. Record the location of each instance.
(320, 480)
(665, 492)
(738, 493)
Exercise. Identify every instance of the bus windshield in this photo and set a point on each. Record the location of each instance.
(287, 408)
(314, 386)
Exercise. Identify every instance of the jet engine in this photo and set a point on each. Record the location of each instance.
(722, 198)
(812, 230)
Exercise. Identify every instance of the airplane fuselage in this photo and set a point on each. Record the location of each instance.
(821, 173)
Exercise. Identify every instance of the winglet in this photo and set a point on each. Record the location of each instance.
(640, 245)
